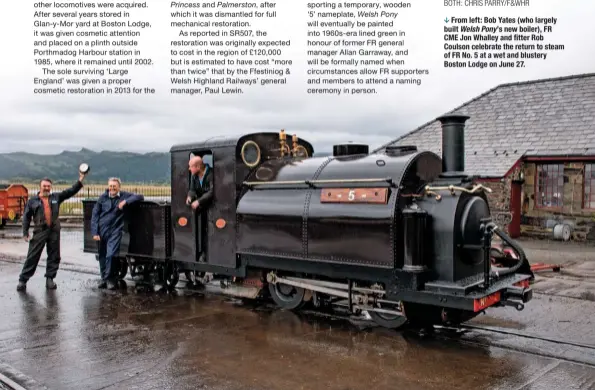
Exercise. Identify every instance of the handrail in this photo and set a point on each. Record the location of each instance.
(311, 182)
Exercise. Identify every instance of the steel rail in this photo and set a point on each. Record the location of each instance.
(6, 381)
(512, 348)
(527, 335)
(488, 343)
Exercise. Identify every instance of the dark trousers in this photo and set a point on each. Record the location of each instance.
(49, 238)
(201, 226)
(109, 249)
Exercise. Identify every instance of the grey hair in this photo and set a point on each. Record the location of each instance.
(115, 179)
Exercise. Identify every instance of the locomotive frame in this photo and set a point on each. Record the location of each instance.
(418, 229)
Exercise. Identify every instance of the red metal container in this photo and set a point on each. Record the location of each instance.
(13, 198)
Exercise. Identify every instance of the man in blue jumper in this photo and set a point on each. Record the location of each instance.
(107, 225)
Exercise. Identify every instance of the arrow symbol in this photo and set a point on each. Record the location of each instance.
(446, 20)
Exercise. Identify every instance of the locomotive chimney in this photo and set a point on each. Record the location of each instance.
(453, 145)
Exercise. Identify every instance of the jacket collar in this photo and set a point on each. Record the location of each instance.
(107, 195)
(204, 174)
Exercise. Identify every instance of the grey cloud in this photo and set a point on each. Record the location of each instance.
(50, 124)
(105, 125)
(110, 108)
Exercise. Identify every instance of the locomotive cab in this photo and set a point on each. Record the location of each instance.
(232, 160)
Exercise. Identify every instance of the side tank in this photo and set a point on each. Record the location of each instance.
(340, 209)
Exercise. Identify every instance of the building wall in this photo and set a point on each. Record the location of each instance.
(499, 200)
(536, 221)
(539, 221)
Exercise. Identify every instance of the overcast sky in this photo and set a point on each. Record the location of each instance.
(50, 124)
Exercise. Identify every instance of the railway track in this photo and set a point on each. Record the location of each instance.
(529, 336)
(8, 384)
(485, 336)
(548, 347)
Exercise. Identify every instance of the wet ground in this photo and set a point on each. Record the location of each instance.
(79, 337)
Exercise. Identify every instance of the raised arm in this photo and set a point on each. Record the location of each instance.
(27, 215)
(70, 192)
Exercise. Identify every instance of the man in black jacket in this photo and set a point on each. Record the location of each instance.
(44, 209)
(200, 196)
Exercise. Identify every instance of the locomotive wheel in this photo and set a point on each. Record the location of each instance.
(425, 316)
(142, 272)
(390, 321)
(287, 297)
(122, 268)
(146, 272)
(160, 273)
(136, 271)
(171, 276)
(196, 277)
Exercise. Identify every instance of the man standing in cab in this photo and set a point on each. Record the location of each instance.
(107, 226)
(200, 196)
(44, 209)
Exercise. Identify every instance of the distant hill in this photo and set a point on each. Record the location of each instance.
(130, 167)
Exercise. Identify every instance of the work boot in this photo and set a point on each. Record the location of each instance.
(102, 284)
(49, 284)
(22, 286)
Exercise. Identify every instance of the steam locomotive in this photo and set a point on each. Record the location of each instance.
(401, 236)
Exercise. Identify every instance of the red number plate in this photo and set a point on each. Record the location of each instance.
(354, 195)
(482, 303)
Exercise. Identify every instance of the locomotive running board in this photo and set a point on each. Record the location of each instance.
(359, 301)
(387, 181)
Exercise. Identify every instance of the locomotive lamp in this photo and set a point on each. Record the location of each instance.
(84, 168)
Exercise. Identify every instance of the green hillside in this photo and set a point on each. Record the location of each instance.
(130, 167)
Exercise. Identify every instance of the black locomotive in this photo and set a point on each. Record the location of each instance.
(402, 235)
